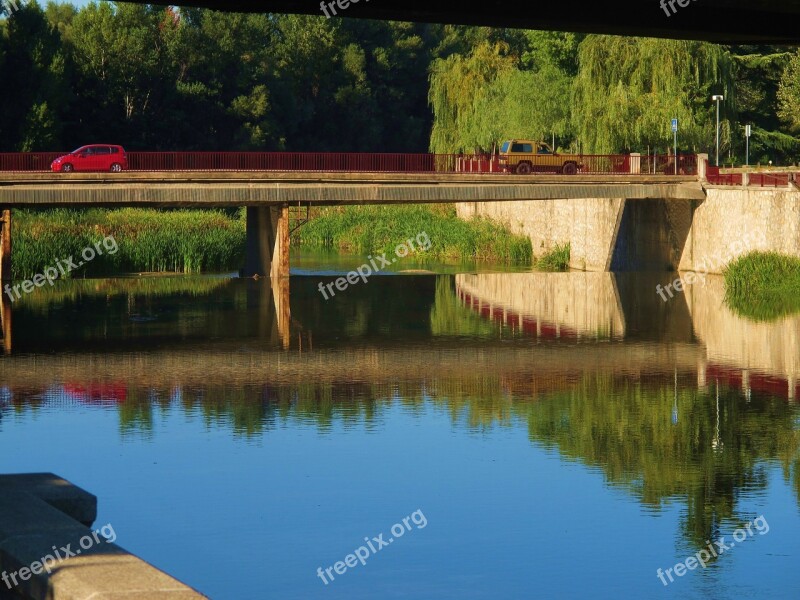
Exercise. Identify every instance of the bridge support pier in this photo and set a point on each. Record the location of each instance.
(5, 245)
(267, 242)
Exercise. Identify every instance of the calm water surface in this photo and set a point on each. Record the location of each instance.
(553, 435)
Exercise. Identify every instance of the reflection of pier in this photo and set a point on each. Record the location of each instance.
(754, 356)
(548, 305)
(749, 354)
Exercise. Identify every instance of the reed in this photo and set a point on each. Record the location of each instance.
(177, 241)
(555, 260)
(369, 229)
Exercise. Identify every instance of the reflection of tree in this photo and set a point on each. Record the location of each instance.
(659, 442)
(450, 317)
(628, 431)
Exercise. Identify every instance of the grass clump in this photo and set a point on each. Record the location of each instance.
(555, 260)
(763, 285)
(148, 240)
(362, 229)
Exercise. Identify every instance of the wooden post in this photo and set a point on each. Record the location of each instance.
(280, 257)
(5, 246)
(5, 319)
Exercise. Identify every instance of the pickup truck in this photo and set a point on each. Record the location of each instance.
(527, 156)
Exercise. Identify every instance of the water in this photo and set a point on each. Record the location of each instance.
(543, 435)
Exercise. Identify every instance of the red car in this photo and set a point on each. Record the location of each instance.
(97, 157)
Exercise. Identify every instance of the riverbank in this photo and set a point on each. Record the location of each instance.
(175, 241)
(195, 241)
(367, 229)
(763, 285)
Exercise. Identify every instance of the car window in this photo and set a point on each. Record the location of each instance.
(89, 151)
(516, 148)
(527, 148)
(114, 150)
(102, 150)
(505, 146)
(543, 149)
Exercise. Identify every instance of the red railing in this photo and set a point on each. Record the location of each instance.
(769, 179)
(754, 179)
(713, 176)
(363, 162)
(28, 161)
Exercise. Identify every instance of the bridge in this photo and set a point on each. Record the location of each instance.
(722, 21)
(268, 184)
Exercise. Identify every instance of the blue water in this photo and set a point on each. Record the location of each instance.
(569, 480)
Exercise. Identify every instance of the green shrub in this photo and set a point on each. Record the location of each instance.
(367, 229)
(763, 285)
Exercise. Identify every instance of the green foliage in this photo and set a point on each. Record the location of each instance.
(763, 285)
(449, 317)
(184, 241)
(458, 84)
(628, 89)
(555, 260)
(668, 443)
(156, 78)
(370, 229)
(789, 93)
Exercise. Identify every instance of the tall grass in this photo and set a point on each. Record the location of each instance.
(179, 241)
(763, 285)
(555, 260)
(381, 228)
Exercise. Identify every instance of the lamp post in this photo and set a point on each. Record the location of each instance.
(747, 131)
(717, 98)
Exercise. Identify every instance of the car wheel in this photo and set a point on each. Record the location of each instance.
(67, 168)
(570, 169)
(116, 168)
(523, 169)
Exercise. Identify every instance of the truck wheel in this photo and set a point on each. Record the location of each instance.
(570, 169)
(523, 169)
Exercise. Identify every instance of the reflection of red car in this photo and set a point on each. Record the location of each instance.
(97, 157)
(97, 393)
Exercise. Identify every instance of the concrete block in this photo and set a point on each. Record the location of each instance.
(57, 492)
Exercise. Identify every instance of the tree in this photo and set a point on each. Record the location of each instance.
(457, 84)
(628, 89)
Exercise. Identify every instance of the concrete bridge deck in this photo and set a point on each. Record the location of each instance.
(213, 189)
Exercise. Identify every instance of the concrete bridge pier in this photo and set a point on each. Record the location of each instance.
(267, 242)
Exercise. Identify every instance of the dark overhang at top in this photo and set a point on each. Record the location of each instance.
(726, 21)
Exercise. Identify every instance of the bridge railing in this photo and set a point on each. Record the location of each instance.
(776, 180)
(364, 162)
(28, 161)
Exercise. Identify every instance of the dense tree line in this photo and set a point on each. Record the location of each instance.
(190, 79)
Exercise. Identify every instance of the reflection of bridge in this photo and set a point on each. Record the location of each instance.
(573, 324)
(230, 364)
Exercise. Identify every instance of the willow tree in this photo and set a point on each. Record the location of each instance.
(521, 104)
(455, 84)
(789, 93)
(628, 89)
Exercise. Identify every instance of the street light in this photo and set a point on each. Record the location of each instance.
(717, 98)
